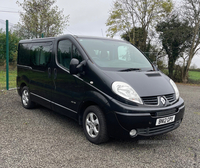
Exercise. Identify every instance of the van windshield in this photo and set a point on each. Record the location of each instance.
(114, 54)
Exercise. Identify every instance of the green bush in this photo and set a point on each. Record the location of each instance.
(13, 44)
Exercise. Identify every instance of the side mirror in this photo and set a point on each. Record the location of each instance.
(75, 67)
(72, 66)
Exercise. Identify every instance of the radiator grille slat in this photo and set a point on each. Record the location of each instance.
(150, 100)
(171, 97)
(153, 100)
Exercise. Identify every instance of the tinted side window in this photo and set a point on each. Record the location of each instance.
(76, 54)
(40, 55)
(64, 53)
(67, 51)
(24, 54)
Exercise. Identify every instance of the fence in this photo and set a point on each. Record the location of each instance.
(5, 74)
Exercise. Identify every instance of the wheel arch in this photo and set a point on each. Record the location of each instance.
(19, 89)
(21, 82)
(93, 98)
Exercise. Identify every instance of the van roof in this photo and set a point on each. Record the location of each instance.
(37, 40)
(96, 37)
(67, 36)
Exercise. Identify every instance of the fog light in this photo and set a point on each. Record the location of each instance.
(133, 133)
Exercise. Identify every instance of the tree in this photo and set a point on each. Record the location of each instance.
(192, 13)
(175, 36)
(126, 15)
(139, 37)
(150, 51)
(41, 17)
(13, 44)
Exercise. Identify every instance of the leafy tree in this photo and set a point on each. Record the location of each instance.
(13, 44)
(41, 17)
(192, 14)
(126, 15)
(175, 36)
(150, 51)
(139, 37)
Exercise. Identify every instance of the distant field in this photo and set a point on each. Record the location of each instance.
(194, 77)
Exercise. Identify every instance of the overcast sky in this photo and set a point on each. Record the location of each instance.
(87, 17)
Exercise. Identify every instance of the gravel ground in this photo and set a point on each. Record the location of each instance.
(43, 138)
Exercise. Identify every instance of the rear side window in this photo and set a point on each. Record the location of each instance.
(24, 54)
(40, 55)
(36, 55)
(67, 51)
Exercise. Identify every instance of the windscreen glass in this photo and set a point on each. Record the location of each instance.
(112, 54)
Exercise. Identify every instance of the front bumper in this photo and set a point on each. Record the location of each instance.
(143, 120)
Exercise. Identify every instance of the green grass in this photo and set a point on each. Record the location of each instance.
(12, 79)
(194, 75)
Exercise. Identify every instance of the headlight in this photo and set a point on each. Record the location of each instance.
(126, 91)
(175, 88)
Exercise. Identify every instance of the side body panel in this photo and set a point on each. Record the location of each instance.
(68, 92)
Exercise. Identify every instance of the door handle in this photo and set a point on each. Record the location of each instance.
(49, 72)
(55, 73)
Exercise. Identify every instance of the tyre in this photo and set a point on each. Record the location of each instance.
(94, 125)
(25, 98)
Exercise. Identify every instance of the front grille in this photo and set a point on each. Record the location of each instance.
(156, 130)
(170, 97)
(153, 101)
(166, 112)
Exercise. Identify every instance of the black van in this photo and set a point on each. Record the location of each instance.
(106, 85)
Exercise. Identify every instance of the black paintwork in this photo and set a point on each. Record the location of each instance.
(70, 95)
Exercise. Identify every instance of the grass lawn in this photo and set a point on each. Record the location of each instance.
(12, 79)
(194, 75)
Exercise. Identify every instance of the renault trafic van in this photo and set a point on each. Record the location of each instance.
(107, 85)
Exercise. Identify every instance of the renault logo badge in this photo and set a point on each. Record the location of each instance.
(163, 100)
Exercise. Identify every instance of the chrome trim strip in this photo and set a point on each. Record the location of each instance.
(158, 97)
(134, 115)
(64, 107)
(23, 66)
(144, 114)
(38, 70)
(180, 108)
(54, 103)
(41, 97)
(152, 105)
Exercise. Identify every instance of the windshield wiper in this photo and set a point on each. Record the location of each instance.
(150, 70)
(130, 69)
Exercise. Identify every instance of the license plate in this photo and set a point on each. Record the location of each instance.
(166, 120)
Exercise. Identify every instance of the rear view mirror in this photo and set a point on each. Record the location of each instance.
(72, 67)
(75, 67)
